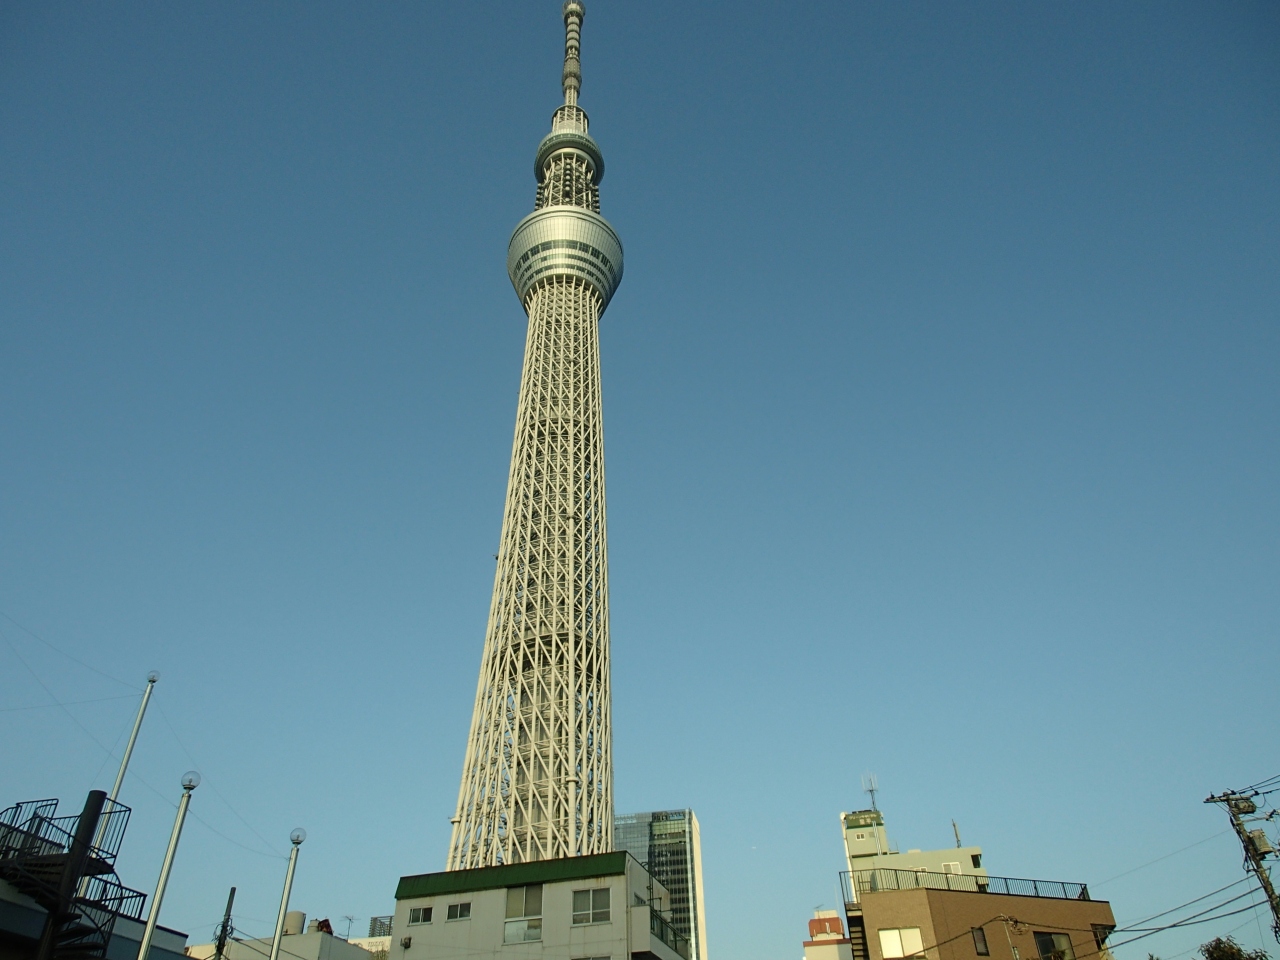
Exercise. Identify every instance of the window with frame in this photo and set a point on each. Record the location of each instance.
(524, 914)
(952, 868)
(459, 911)
(1054, 946)
(980, 942)
(419, 915)
(591, 906)
(896, 942)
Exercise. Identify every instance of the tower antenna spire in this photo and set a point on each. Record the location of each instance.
(571, 78)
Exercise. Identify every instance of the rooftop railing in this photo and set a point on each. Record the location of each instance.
(882, 880)
(662, 928)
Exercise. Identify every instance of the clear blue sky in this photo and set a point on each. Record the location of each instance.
(941, 400)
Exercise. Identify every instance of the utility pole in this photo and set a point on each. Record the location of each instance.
(225, 929)
(1255, 843)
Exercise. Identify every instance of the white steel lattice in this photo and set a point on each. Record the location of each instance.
(537, 782)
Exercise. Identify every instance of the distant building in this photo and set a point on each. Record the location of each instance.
(669, 843)
(312, 945)
(942, 904)
(596, 906)
(826, 938)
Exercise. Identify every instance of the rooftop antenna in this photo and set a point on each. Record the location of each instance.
(869, 786)
(956, 831)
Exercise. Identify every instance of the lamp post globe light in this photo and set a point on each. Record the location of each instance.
(296, 837)
(190, 780)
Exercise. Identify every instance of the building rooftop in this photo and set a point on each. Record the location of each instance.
(857, 882)
(513, 875)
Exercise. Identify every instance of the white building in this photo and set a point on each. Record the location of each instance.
(294, 945)
(826, 938)
(866, 845)
(600, 907)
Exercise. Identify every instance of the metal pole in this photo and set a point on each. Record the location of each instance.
(152, 677)
(72, 870)
(190, 781)
(296, 839)
(224, 931)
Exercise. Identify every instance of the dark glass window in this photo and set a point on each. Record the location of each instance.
(980, 942)
(592, 906)
(462, 911)
(1054, 946)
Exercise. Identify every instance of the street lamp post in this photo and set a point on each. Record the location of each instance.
(296, 839)
(190, 780)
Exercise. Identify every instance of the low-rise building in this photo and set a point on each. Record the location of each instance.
(312, 945)
(605, 906)
(826, 938)
(915, 913)
(943, 905)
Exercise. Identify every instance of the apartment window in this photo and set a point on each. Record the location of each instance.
(1100, 933)
(524, 914)
(980, 942)
(953, 868)
(459, 911)
(976, 858)
(592, 906)
(1054, 946)
(419, 914)
(898, 942)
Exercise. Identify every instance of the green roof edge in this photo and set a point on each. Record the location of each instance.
(512, 875)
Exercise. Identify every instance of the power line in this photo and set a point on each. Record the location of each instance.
(1187, 904)
(1159, 859)
(67, 703)
(213, 786)
(64, 653)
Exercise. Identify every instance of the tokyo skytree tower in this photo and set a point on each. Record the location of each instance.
(537, 783)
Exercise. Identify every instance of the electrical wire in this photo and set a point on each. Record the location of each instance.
(64, 653)
(1159, 859)
(213, 786)
(1136, 929)
(67, 703)
(111, 754)
(1155, 916)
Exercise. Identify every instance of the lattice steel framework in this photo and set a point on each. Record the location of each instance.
(537, 782)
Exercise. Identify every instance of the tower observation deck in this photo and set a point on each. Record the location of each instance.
(537, 782)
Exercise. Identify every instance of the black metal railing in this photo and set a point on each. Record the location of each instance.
(881, 880)
(109, 893)
(661, 928)
(31, 829)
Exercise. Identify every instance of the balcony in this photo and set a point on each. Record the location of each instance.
(858, 882)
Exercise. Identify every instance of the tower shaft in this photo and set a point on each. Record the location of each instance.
(537, 782)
